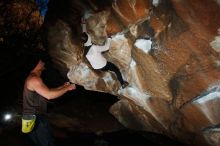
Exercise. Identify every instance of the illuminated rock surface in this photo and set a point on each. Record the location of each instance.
(168, 51)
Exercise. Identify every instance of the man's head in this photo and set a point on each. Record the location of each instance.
(38, 59)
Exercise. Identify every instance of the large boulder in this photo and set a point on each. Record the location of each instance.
(168, 51)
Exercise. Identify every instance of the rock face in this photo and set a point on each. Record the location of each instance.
(168, 51)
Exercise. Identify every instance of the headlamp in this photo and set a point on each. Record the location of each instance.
(7, 117)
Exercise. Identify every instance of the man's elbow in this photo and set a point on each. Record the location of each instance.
(49, 97)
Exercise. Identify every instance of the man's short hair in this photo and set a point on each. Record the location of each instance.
(34, 57)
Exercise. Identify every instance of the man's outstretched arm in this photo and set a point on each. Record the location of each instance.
(36, 84)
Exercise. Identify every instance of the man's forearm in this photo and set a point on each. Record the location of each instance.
(56, 92)
(59, 91)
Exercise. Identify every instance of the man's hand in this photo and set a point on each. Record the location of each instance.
(69, 86)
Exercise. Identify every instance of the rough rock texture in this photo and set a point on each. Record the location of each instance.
(167, 50)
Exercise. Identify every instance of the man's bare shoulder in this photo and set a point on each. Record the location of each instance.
(33, 77)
